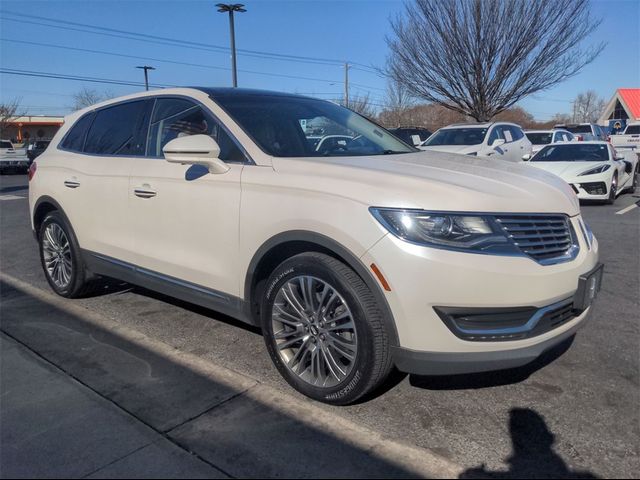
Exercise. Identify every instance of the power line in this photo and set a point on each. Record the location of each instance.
(182, 43)
(165, 40)
(176, 62)
(30, 73)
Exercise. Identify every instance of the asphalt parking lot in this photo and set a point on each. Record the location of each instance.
(577, 415)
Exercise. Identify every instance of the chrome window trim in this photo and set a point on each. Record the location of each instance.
(248, 159)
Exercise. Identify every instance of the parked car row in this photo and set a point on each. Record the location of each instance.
(506, 141)
(353, 257)
(12, 159)
(630, 137)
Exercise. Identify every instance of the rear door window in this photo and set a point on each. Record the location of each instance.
(74, 140)
(516, 132)
(496, 134)
(119, 130)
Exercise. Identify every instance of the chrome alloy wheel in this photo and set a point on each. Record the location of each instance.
(57, 255)
(314, 331)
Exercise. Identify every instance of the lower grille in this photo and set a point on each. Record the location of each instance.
(545, 238)
(595, 188)
(505, 324)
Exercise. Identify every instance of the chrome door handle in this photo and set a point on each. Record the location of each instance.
(71, 183)
(144, 192)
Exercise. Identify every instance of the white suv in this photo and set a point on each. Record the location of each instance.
(352, 258)
(501, 140)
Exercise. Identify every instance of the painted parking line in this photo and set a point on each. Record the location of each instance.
(627, 209)
(12, 197)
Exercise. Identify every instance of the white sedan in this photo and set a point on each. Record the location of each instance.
(595, 170)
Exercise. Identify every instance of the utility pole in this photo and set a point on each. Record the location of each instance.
(346, 84)
(146, 75)
(232, 7)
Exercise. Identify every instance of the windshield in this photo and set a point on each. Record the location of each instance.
(632, 130)
(578, 128)
(5, 145)
(285, 126)
(457, 136)
(539, 138)
(572, 153)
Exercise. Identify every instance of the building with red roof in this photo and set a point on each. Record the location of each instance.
(625, 105)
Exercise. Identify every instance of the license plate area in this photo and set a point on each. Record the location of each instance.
(589, 285)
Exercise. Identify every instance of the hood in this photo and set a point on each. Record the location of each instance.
(536, 148)
(462, 149)
(432, 181)
(567, 170)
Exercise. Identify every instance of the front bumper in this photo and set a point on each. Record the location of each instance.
(591, 187)
(444, 363)
(422, 279)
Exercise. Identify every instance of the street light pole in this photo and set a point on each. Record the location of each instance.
(146, 75)
(346, 85)
(232, 7)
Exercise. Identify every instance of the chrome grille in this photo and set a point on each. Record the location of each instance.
(545, 238)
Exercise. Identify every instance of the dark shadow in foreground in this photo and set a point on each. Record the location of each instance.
(533, 455)
(198, 411)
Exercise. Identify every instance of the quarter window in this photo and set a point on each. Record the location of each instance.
(119, 130)
(74, 140)
(176, 117)
(516, 133)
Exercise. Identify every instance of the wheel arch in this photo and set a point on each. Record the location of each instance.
(287, 244)
(43, 206)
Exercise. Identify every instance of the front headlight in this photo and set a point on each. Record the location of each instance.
(598, 169)
(455, 231)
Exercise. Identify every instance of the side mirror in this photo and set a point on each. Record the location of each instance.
(526, 157)
(497, 142)
(195, 150)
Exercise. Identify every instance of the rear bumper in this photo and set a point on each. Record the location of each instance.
(17, 163)
(445, 363)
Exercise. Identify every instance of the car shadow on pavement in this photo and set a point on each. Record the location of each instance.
(227, 420)
(205, 312)
(533, 455)
(491, 379)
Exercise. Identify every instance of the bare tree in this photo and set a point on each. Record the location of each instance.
(587, 107)
(362, 105)
(399, 101)
(479, 57)
(9, 111)
(88, 96)
(561, 118)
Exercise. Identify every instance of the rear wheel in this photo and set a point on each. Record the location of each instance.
(324, 330)
(60, 257)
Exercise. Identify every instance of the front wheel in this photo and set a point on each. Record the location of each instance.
(323, 329)
(613, 190)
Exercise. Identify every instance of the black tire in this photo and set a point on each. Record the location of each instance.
(634, 184)
(612, 190)
(79, 283)
(372, 362)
